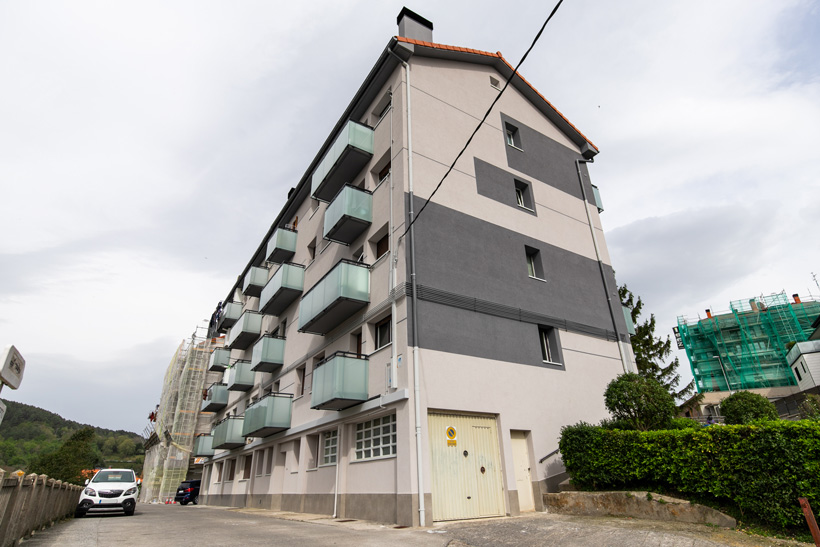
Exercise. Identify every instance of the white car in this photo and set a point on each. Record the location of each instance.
(109, 489)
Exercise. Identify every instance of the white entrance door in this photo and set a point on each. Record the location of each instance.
(466, 467)
(523, 477)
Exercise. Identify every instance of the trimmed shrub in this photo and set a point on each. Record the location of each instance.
(762, 469)
(743, 407)
(684, 423)
(641, 401)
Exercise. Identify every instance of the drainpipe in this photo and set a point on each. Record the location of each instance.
(338, 465)
(394, 369)
(624, 361)
(413, 297)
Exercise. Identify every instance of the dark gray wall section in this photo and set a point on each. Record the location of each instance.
(544, 159)
(469, 256)
(499, 185)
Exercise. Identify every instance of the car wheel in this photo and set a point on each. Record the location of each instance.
(195, 500)
(183, 502)
(129, 512)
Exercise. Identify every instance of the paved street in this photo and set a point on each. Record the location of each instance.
(174, 525)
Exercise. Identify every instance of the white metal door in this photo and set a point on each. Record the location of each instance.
(466, 467)
(523, 476)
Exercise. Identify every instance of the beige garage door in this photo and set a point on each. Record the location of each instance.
(466, 462)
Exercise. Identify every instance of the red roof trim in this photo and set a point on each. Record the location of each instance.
(503, 60)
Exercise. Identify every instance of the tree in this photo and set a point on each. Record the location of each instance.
(641, 401)
(126, 447)
(743, 407)
(651, 352)
(68, 461)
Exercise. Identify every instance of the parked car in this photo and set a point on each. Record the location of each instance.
(109, 489)
(188, 491)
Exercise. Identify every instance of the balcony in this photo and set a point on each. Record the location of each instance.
(339, 382)
(228, 433)
(283, 289)
(247, 329)
(268, 354)
(204, 445)
(281, 245)
(596, 194)
(241, 376)
(254, 281)
(230, 313)
(216, 398)
(343, 291)
(219, 360)
(348, 155)
(269, 415)
(348, 215)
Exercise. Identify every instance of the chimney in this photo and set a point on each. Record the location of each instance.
(796, 298)
(414, 26)
(708, 313)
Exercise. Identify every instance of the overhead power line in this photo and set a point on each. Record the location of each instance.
(486, 114)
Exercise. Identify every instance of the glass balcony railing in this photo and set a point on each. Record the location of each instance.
(348, 155)
(230, 313)
(268, 354)
(283, 288)
(597, 195)
(339, 382)
(254, 281)
(630, 326)
(241, 376)
(204, 445)
(247, 329)
(281, 245)
(228, 433)
(343, 291)
(219, 359)
(267, 416)
(348, 215)
(216, 398)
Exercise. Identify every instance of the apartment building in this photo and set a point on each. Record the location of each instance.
(416, 372)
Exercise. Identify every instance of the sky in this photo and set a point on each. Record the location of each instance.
(146, 147)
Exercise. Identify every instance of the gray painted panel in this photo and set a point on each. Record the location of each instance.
(499, 185)
(546, 160)
(468, 256)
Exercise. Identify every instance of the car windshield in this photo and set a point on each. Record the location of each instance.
(114, 476)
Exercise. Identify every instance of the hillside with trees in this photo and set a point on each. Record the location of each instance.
(30, 434)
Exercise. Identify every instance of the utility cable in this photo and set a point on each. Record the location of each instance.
(486, 115)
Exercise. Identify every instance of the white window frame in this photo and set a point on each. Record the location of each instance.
(330, 447)
(378, 342)
(369, 432)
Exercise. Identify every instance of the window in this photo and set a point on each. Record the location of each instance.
(312, 248)
(231, 470)
(494, 82)
(550, 346)
(534, 267)
(523, 196)
(299, 389)
(384, 174)
(376, 438)
(356, 343)
(383, 332)
(382, 247)
(283, 328)
(218, 472)
(512, 135)
(260, 462)
(246, 466)
(797, 372)
(330, 446)
(269, 462)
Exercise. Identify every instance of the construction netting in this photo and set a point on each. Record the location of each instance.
(746, 347)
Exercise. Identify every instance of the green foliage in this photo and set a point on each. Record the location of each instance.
(28, 432)
(612, 423)
(810, 407)
(651, 352)
(68, 462)
(761, 469)
(642, 402)
(684, 423)
(743, 407)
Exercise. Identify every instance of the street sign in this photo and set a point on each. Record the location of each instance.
(13, 366)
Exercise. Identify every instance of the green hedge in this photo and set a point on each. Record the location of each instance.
(761, 468)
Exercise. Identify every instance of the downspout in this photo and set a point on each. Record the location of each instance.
(338, 465)
(413, 297)
(394, 255)
(624, 361)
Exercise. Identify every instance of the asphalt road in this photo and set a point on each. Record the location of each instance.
(174, 525)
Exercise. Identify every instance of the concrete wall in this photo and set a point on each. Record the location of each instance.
(31, 503)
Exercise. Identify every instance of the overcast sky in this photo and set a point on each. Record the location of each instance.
(145, 148)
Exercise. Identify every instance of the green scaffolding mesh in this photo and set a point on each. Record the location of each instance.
(746, 347)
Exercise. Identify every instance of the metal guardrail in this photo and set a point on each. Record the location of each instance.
(29, 503)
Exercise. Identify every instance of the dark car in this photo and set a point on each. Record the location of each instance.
(187, 492)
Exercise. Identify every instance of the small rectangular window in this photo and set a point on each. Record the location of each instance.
(218, 472)
(330, 445)
(382, 246)
(534, 266)
(300, 381)
(260, 462)
(246, 467)
(523, 196)
(512, 135)
(231, 470)
(376, 438)
(383, 332)
(384, 174)
(797, 373)
(550, 346)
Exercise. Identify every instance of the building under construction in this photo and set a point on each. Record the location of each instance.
(177, 420)
(746, 348)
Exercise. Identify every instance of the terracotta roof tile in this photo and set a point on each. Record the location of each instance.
(501, 57)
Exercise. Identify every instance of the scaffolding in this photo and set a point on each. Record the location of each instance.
(168, 455)
(746, 347)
